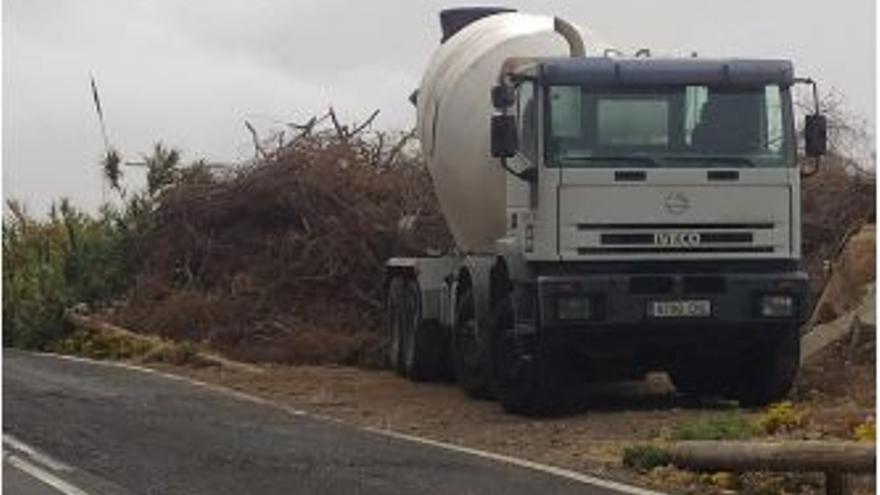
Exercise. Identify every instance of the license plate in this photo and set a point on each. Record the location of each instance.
(680, 309)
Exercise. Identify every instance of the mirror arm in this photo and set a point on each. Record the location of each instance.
(807, 173)
(815, 88)
(527, 175)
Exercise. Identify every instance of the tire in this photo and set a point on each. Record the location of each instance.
(423, 342)
(699, 378)
(529, 381)
(393, 333)
(470, 354)
(766, 372)
(763, 373)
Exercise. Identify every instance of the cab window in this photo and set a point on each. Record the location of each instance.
(527, 121)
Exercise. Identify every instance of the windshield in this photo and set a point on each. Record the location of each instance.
(677, 126)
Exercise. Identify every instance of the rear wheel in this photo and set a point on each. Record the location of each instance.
(394, 301)
(422, 343)
(528, 380)
(470, 354)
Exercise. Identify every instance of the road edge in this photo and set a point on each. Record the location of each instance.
(237, 394)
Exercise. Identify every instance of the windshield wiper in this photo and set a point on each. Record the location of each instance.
(621, 158)
(715, 158)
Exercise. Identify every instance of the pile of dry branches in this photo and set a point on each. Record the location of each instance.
(282, 259)
(837, 199)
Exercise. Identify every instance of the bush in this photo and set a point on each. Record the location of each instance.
(727, 427)
(866, 432)
(71, 257)
(98, 344)
(645, 457)
(52, 264)
(781, 416)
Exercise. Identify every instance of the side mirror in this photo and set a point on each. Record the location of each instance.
(504, 140)
(503, 96)
(815, 135)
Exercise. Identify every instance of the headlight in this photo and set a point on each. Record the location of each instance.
(573, 308)
(777, 306)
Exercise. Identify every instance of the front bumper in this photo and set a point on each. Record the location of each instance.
(623, 299)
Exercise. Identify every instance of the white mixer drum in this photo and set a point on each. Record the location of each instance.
(454, 110)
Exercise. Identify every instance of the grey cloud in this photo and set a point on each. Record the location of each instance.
(189, 72)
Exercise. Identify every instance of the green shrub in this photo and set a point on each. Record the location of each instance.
(781, 416)
(111, 345)
(726, 427)
(102, 345)
(645, 457)
(50, 264)
(866, 432)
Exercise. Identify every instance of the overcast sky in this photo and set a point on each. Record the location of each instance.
(191, 72)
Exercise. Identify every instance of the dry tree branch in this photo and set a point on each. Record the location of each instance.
(398, 147)
(366, 123)
(258, 148)
(341, 130)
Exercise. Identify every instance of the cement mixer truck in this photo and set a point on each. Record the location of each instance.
(613, 215)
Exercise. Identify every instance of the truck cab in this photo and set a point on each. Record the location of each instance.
(656, 207)
(643, 159)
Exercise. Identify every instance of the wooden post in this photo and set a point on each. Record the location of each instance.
(800, 456)
(835, 459)
(837, 483)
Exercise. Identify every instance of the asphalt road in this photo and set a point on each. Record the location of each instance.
(101, 429)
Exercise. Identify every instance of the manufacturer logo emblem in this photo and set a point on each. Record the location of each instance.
(677, 203)
(688, 239)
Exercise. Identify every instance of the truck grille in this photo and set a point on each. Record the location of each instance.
(654, 238)
(651, 284)
(644, 226)
(665, 284)
(696, 249)
(707, 237)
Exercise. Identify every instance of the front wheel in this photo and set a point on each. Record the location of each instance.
(528, 380)
(766, 372)
(763, 372)
(470, 353)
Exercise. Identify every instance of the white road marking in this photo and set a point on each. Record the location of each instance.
(535, 466)
(35, 455)
(43, 475)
